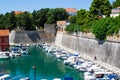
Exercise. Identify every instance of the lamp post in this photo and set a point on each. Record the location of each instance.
(34, 68)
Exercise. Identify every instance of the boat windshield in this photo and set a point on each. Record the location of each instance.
(24, 49)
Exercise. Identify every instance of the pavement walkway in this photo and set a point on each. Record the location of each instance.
(105, 65)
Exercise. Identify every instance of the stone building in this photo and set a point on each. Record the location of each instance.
(61, 25)
(115, 12)
(71, 11)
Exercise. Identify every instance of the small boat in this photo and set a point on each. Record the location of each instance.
(24, 50)
(25, 78)
(56, 79)
(113, 77)
(68, 78)
(3, 55)
(14, 54)
(70, 60)
(15, 51)
(43, 79)
(100, 75)
(4, 76)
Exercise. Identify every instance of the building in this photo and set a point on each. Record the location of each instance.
(4, 40)
(115, 12)
(71, 11)
(18, 12)
(61, 25)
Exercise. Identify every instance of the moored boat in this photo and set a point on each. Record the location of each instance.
(56, 79)
(24, 51)
(4, 55)
(100, 75)
(25, 78)
(4, 76)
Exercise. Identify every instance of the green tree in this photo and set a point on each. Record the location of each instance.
(56, 14)
(106, 9)
(19, 20)
(35, 17)
(60, 14)
(26, 21)
(73, 19)
(9, 21)
(39, 17)
(94, 8)
(50, 17)
(12, 20)
(88, 17)
(99, 8)
(81, 16)
(101, 28)
(1, 21)
(116, 3)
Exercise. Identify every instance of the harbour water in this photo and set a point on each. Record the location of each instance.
(47, 67)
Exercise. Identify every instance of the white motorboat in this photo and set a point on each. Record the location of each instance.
(3, 55)
(15, 51)
(14, 54)
(25, 78)
(98, 75)
(43, 79)
(56, 79)
(24, 50)
(4, 76)
(71, 60)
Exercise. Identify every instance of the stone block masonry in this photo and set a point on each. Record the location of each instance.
(27, 37)
(107, 53)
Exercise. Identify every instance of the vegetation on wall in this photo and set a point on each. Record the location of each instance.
(73, 19)
(92, 21)
(72, 28)
(82, 17)
(101, 28)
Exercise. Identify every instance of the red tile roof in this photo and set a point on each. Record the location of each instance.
(116, 10)
(4, 32)
(69, 10)
(18, 12)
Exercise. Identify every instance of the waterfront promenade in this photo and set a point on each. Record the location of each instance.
(106, 66)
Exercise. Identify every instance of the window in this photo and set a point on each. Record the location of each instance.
(6, 39)
(0, 40)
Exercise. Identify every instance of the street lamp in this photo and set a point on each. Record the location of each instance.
(34, 68)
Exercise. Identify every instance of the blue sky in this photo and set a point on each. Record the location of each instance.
(30, 5)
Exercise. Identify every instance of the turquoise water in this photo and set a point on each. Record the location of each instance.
(47, 66)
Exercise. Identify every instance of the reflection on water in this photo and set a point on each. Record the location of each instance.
(46, 66)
